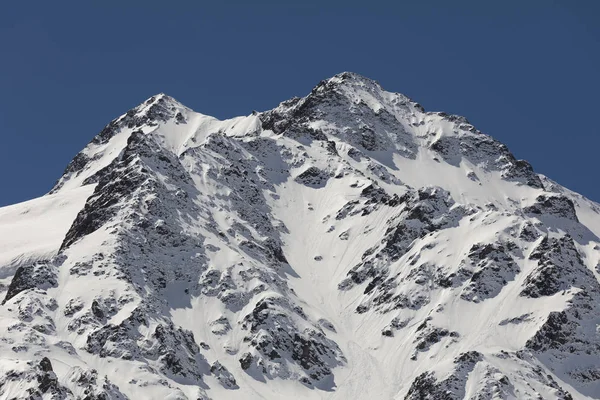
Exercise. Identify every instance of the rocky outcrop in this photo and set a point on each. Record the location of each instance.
(39, 275)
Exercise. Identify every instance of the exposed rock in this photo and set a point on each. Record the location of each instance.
(223, 376)
(39, 275)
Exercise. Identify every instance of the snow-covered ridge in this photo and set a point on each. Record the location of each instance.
(175, 125)
(347, 244)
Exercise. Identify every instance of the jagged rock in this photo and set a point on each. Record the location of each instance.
(516, 320)
(557, 205)
(220, 326)
(40, 275)
(425, 210)
(313, 177)
(429, 335)
(223, 376)
(494, 268)
(276, 337)
(559, 265)
(427, 386)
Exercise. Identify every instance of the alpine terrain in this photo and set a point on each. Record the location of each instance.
(343, 245)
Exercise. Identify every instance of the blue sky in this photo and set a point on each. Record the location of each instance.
(525, 72)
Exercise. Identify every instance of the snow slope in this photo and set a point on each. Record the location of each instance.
(33, 231)
(347, 244)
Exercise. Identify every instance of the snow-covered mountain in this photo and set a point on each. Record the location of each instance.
(344, 245)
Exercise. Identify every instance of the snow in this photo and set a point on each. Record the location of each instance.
(192, 215)
(33, 230)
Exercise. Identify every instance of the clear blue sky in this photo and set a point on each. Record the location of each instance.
(526, 72)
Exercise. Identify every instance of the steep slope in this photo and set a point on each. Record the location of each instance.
(33, 231)
(347, 244)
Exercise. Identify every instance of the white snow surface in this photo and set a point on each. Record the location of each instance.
(33, 231)
(347, 244)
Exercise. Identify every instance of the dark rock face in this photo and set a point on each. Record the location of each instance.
(426, 386)
(570, 334)
(366, 128)
(482, 149)
(395, 325)
(428, 335)
(77, 164)
(246, 361)
(528, 232)
(516, 320)
(559, 263)
(424, 211)
(494, 268)
(174, 348)
(92, 387)
(220, 326)
(557, 331)
(40, 379)
(130, 183)
(522, 171)
(275, 338)
(313, 177)
(119, 184)
(331, 148)
(48, 382)
(223, 376)
(157, 109)
(45, 365)
(39, 275)
(557, 205)
(377, 195)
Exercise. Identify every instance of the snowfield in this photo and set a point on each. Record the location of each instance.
(344, 245)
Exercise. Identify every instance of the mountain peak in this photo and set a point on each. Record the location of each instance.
(348, 80)
(159, 100)
(346, 244)
(360, 89)
(348, 76)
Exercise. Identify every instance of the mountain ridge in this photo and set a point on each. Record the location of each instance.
(346, 243)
